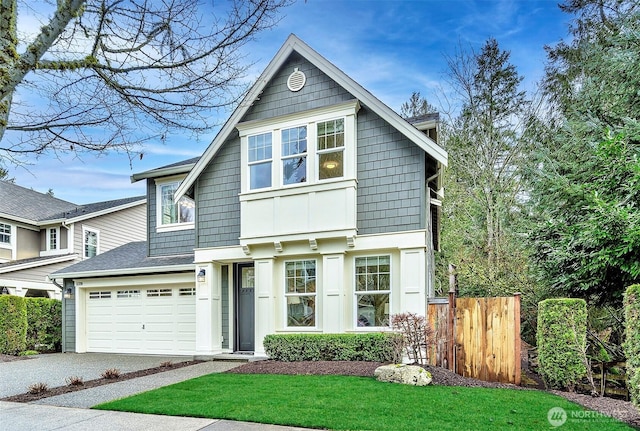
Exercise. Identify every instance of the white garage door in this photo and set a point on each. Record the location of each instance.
(142, 320)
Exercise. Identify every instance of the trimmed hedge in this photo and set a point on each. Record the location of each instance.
(13, 325)
(44, 324)
(632, 340)
(561, 337)
(373, 347)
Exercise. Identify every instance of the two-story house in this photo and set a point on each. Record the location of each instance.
(311, 211)
(40, 234)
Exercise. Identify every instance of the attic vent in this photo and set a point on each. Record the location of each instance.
(296, 80)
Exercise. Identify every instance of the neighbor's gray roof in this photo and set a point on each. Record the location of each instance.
(180, 167)
(127, 257)
(82, 210)
(18, 201)
(21, 202)
(35, 261)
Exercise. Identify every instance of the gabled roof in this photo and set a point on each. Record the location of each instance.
(293, 43)
(28, 204)
(37, 208)
(128, 259)
(34, 262)
(164, 171)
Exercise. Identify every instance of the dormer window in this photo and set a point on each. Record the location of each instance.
(5, 233)
(53, 238)
(173, 215)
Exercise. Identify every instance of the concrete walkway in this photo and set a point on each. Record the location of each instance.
(71, 411)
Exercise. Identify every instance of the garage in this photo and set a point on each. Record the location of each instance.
(140, 319)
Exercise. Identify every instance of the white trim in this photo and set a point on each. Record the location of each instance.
(106, 211)
(293, 43)
(286, 295)
(354, 322)
(185, 277)
(86, 229)
(124, 271)
(43, 262)
(170, 227)
(48, 239)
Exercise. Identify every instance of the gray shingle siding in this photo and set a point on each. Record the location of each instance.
(165, 243)
(318, 91)
(390, 178)
(218, 205)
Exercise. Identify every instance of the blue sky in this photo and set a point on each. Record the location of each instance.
(392, 48)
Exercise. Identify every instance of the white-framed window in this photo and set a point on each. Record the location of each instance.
(170, 214)
(90, 241)
(53, 233)
(306, 148)
(5, 233)
(373, 290)
(294, 155)
(260, 152)
(300, 293)
(330, 141)
(187, 291)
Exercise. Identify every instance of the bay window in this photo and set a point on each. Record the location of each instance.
(330, 149)
(294, 155)
(260, 154)
(372, 290)
(300, 293)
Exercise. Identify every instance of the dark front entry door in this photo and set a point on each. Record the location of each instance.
(245, 314)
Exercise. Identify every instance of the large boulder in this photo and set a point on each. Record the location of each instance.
(405, 374)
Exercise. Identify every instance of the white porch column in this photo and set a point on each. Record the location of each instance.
(413, 297)
(208, 310)
(264, 302)
(333, 293)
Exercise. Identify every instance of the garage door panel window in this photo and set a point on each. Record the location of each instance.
(128, 294)
(159, 292)
(99, 295)
(189, 291)
(373, 291)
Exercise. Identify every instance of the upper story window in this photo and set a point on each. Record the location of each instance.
(5, 233)
(170, 214)
(305, 148)
(90, 240)
(331, 149)
(260, 153)
(53, 238)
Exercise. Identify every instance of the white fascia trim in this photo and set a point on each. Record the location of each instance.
(33, 225)
(87, 216)
(29, 265)
(162, 172)
(127, 271)
(293, 43)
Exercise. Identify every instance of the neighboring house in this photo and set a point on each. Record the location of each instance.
(311, 211)
(40, 234)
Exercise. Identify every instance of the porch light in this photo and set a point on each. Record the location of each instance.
(202, 276)
(68, 293)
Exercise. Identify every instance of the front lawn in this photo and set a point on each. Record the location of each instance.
(362, 403)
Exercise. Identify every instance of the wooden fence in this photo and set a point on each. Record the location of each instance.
(477, 337)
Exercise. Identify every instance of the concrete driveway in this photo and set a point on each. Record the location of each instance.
(53, 369)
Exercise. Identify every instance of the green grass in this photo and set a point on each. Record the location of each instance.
(358, 403)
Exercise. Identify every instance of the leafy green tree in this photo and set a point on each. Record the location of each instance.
(585, 188)
(486, 144)
(122, 65)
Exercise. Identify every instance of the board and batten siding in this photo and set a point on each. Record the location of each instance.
(218, 205)
(115, 229)
(165, 243)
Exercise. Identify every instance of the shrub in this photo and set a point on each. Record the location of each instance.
(74, 381)
(110, 373)
(38, 388)
(13, 324)
(561, 336)
(44, 324)
(418, 336)
(373, 347)
(632, 340)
